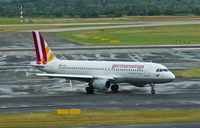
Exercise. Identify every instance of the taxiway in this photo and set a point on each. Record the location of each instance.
(21, 91)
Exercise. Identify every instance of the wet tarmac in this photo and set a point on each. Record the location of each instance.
(22, 91)
(24, 40)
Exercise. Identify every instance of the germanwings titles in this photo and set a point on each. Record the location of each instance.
(100, 75)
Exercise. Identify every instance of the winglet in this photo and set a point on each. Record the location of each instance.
(43, 52)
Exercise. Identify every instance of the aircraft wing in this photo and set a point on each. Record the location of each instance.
(65, 76)
(69, 76)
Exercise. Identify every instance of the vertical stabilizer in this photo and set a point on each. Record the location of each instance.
(43, 52)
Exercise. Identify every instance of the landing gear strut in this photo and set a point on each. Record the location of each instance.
(90, 89)
(114, 88)
(153, 91)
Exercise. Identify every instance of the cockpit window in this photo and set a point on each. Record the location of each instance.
(165, 70)
(162, 70)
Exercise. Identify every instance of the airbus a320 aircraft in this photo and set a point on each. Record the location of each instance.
(100, 75)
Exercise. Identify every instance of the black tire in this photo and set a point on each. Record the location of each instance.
(89, 90)
(153, 91)
(114, 88)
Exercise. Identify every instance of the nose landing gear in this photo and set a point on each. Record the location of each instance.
(153, 91)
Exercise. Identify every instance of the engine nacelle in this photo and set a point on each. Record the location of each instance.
(101, 84)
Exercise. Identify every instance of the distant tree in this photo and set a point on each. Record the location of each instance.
(58, 14)
(93, 15)
(84, 15)
(154, 11)
(168, 11)
(95, 8)
(197, 11)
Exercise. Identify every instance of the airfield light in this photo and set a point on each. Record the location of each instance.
(21, 14)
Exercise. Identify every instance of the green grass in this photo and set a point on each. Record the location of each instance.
(119, 19)
(19, 28)
(10, 21)
(99, 117)
(189, 73)
(97, 20)
(157, 35)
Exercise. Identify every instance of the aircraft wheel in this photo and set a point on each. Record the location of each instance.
(153, 91)
(89, 90)
(114, 88)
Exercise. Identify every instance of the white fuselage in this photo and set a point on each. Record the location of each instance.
(122, 72)
(100, 75)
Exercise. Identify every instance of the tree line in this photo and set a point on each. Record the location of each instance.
(98, 8)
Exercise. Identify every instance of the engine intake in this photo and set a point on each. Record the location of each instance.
(101, 84)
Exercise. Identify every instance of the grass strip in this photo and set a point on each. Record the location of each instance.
(188, 73)
(154, 35)
(96, 117)
(10, 20)
(97, 20)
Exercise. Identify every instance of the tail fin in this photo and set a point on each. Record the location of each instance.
(43, 52)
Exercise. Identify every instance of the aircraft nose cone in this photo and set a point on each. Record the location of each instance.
(172, 76)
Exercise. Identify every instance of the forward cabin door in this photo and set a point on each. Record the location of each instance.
(147, 73)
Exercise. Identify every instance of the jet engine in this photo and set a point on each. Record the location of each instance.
(101, 84)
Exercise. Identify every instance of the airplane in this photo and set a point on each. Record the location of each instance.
(100, 75)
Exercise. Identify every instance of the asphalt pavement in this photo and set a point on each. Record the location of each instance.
(21, 91)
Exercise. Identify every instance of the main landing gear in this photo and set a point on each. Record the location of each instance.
(153, 91)
(89, 90)
(114, 88)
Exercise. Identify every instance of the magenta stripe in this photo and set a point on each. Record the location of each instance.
(43, 48)
(36, 46)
